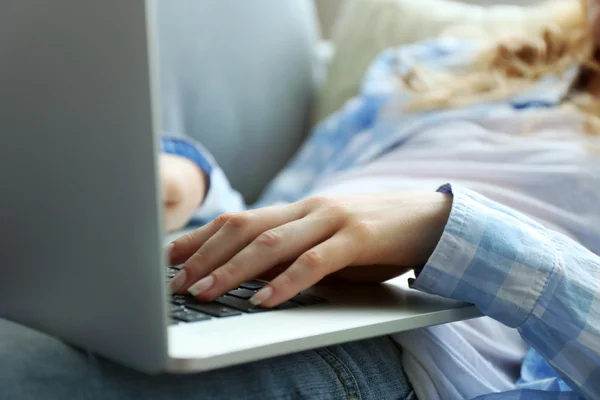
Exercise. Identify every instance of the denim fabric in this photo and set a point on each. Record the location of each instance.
(36, 366)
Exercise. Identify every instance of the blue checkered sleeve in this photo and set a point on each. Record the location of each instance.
(525, 276)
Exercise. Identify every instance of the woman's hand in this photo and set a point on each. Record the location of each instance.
(183, 186)
(307, 241)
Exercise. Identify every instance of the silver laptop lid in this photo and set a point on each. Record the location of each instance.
(79, 210)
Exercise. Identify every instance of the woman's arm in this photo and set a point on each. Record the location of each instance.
(525, 276)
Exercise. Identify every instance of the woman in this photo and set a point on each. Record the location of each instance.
(516, 123)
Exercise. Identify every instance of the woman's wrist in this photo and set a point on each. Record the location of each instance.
(436, 218)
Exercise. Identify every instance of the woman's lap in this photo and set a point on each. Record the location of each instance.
(36, 366)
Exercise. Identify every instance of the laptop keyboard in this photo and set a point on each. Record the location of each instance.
(185, 308)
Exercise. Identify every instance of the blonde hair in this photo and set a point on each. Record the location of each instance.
(512, 64)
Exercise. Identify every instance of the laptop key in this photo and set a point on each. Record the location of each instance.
(240, 304)
(175, 307)
(213, 309)
(242, 293)
(180, 299)
(189, 316)
(308, 299)
(253, 284)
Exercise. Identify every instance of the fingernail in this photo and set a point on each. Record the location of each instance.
(202, 285)
(178, 281)
(168, 251)
(262, 295)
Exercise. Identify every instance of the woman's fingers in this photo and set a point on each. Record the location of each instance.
(186, 246)
(268, 250)
(313, 265)
(182, 248)
(213, 245)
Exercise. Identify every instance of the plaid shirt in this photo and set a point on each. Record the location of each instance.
(512, 268)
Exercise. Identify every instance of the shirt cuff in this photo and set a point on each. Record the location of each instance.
(491, 256)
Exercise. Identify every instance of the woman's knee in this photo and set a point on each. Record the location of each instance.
(24, 347)
(33, 362)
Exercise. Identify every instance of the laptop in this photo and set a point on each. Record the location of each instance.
(82, 238)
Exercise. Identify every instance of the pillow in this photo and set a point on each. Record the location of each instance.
(367, 27)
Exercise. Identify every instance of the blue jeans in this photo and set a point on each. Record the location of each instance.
(37, 366)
